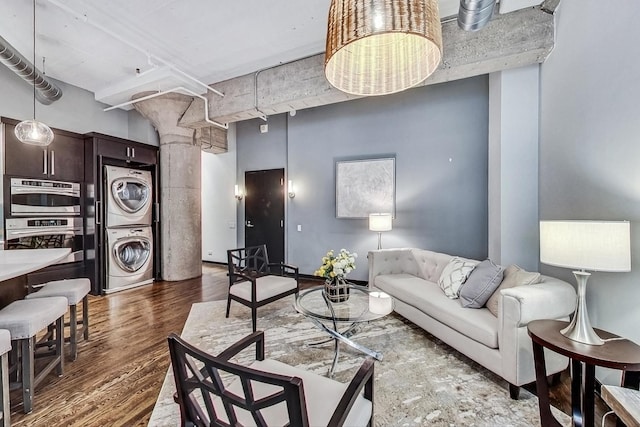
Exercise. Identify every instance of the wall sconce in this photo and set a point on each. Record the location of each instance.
(292, 193)
(238, 193)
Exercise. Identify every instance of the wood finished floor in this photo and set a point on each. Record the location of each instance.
(119, 371)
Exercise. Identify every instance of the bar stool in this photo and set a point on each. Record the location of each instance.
(24, 319)
(74, 290)
(5, 348)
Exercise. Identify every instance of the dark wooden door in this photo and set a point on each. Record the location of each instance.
(264, 211)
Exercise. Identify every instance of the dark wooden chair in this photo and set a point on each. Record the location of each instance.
(254, 281)
(212, 391)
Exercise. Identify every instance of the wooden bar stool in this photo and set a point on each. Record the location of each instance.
(24, 319)
(74, 290)
(5, 348)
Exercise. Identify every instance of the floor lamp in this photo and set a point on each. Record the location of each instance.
(585, 245)
(380, 222)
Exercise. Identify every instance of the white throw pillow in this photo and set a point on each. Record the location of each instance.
(454, 275)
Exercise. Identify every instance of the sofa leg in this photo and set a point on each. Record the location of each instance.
(514, 391)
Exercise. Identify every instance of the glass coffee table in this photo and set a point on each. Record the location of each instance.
(340, 320)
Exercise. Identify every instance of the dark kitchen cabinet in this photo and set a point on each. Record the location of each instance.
(62, 160)
(127, 151)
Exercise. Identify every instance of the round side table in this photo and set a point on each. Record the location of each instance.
(616, 353)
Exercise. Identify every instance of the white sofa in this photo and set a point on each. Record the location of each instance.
(501, 344)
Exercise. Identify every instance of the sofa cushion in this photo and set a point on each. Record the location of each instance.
(478, 325)
(513, 276)
(454, 275)
(430, 264)
(482, 282)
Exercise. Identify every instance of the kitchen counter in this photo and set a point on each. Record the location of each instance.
(15, 263)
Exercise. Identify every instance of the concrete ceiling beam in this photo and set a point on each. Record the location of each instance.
(510, 40)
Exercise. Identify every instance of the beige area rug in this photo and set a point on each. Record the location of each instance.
(420, 381)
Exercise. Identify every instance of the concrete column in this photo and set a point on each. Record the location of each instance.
(180, 186)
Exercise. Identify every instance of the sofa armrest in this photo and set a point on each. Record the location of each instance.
(391, 261)
(550, 299)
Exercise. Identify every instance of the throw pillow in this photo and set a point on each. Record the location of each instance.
(482, 282)
(454, 274)
(513, 276)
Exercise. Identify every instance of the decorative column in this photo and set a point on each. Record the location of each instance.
(180, 186)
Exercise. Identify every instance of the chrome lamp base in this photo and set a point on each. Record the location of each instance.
(580, 328)
(379, 240)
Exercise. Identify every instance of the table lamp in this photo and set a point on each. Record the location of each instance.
(585, 245)
(380, 222)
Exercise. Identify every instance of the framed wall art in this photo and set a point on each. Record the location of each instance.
(365, 186)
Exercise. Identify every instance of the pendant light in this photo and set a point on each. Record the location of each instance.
(378, 47)
(32, 131)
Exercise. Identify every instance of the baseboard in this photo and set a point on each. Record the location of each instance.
(222, 264)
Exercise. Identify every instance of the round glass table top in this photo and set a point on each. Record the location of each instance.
(363, 305)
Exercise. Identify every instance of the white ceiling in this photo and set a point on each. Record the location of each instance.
(98, 45)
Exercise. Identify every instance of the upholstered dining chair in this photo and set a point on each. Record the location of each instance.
(254, 281)
(212, 390)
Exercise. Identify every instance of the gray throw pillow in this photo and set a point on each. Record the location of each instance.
(481, 284)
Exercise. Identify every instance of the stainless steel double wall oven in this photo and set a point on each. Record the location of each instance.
(45, 214)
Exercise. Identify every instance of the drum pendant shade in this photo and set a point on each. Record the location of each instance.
(378, 47)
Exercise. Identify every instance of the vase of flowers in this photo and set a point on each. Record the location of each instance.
(334, 269)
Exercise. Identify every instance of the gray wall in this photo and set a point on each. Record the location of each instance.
(589, 147)
(513, 166)
(76, 111)
(438, 135)
(259, 151)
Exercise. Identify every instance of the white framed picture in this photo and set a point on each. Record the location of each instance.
(365, 186)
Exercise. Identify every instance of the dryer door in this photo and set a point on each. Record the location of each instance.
(132, 253)
(131, 194)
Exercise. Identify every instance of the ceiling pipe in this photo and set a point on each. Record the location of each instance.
(177, 89)
(475, 14)
(46, 91)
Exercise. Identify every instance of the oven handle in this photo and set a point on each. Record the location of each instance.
(41, 231)
(44, 190)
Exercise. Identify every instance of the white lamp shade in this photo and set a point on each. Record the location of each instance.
(588, 245)
(380, 222)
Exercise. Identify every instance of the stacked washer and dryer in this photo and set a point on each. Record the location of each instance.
(129, 239)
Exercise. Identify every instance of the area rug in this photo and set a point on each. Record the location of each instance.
(420, 381)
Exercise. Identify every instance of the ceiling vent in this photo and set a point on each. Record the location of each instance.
(475, 14)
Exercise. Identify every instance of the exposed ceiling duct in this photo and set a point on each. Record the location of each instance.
(46, 91)
(475, 14)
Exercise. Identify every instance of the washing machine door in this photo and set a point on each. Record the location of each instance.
(132, 253)
(131, 194)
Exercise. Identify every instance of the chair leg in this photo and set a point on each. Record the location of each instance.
(60, 345)
(4, 389)
(27, 348)
(228, 306)
(73, 324)
(254, 318)
(85, 317)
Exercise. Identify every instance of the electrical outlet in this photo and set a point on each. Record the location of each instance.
(299, 227)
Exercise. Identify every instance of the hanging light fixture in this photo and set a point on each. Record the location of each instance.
(378, 47)
(32, 131)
